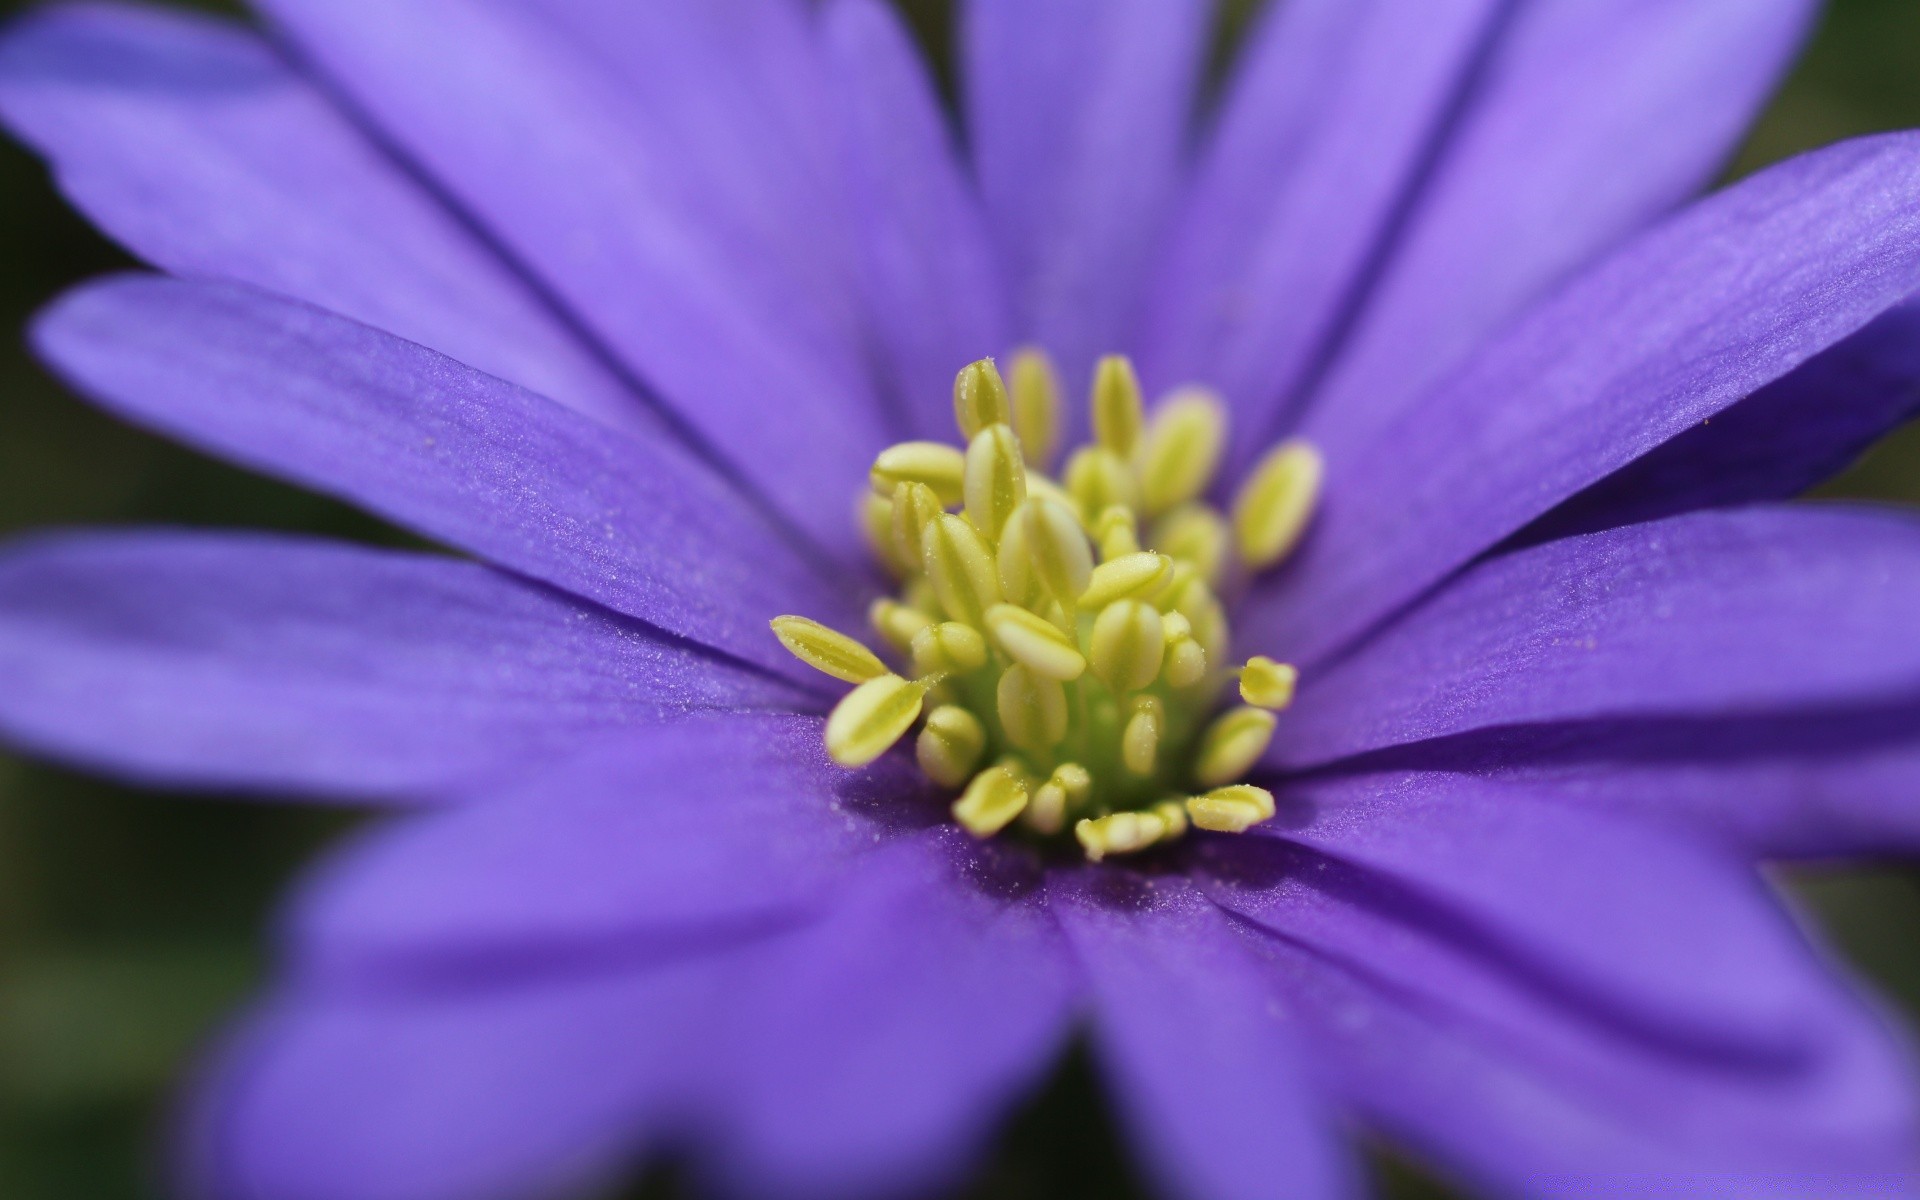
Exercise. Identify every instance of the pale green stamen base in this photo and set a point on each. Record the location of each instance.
(1062, 644)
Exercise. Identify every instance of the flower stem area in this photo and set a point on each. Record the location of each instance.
(131, 925)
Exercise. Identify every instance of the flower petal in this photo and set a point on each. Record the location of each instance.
(154, 119)
(1658, 931)
(1463, 1055)
(1590, 120)
(1332, 109)
(875, 1052)
(540, 1088)
(1788, 436)
(1714, 613)
(668, 170)
(1078, 112)
(935, 298)
(1201, 1054)
(715, 823)
(1666, 333)
(439, 447)
(283, 664)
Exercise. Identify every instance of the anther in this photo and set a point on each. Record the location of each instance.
(996, 479)
(876, 523)
(1066, 790)
(1118, 411)
(871, 718)
(1120, 833)
(950, 745)
(1118, 532)
(947, 648)
(1098, 479)
(979, 398)
(827, 650)
(1033, 709)
(1197, 534)
(1140, 741)
(1232, 809)
(936, 464)
(1036, 406)
(897, 623)
(961, 568)
(1182, 449)
(1035, 643)
(1127, 645)
(1265, 683)
(1128, 575)
(1186, 661)
(991, 802)
(1055, 550)
(1231, 745)
(1275, 504)
(913, 507)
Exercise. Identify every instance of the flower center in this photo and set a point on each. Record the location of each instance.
(1063, 645)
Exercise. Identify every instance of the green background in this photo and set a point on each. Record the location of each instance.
(130, 922)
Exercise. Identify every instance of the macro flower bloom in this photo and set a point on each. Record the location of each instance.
(625, 302)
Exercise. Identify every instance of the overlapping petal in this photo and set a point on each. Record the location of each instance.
(1201, 1049)
(874, 1052)
(283, 664)
(669, 171)
(1466, 1056)
(1664, 334)
(155, 121)
(441, 448)
(1078, 113)
(679, 832)
(935, 298)
(1717, 613)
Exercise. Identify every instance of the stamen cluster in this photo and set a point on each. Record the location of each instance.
(1065, 639)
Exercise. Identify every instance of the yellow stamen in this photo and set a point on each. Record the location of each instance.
(961, 568)
(1036, 406)
(1121, 833)
(1182, 449)
(1197, 534)
(1140, 741)
(979, 398)
(1118, 532)
(1265, 683)
(1231, 745)
(897, 623)
(950, 745)
(1099, 479)
(936, 464)
(1232, 809)
(1127, 645)
(828, 650)
(996, 479)
(871, 718)
(991, 802)
(948, 648)
(1032, 708)
(1271, 512)
(1035, 643)
(1118, 411)
(1128, 575)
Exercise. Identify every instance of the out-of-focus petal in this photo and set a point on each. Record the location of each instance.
(1658, 932)
(1078, 113)
(1589, 119)
(1501, 1079)
(200, 149)
(668, 170)
(1325, 126)
(441, 448)
(1662, 335)
(678, 832)
(1198, 1045)
(1745, 611)
(935, 298)
(281, 664)
(535, 1088)
(874, 1052)
(1786, 437)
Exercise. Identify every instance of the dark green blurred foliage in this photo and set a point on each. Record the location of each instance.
(130, 923)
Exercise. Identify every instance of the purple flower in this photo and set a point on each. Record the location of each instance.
(621, 300)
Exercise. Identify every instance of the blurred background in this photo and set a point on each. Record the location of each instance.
(131, 922)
